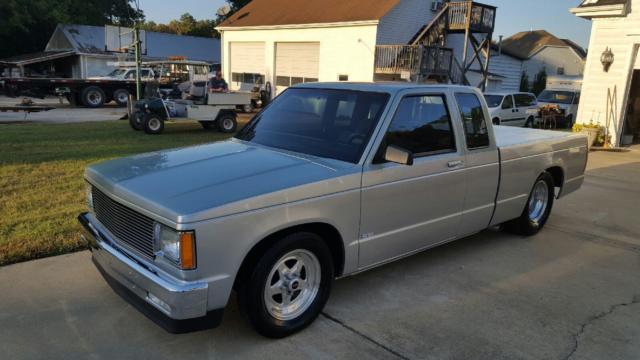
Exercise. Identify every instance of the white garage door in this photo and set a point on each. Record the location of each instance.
(247, 64)
(296, 63)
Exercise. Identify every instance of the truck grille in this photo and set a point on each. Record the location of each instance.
(128, 226)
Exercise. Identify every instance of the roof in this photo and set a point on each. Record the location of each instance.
(391, 87)
(590, 3)
(300, 12)
(525, 44)
(36, 57)
(87, 39)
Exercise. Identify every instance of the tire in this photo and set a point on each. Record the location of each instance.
(537, 210)
(529, 122)
(307, 289)
(121, 97)
(93, 97)
(227, 123)
(136, 120)
(569, 122)
(207, 125)
(248, 108)
(496, 121)
(153, 125)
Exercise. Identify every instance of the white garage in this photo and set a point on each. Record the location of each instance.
(296, 62)
(247, 63)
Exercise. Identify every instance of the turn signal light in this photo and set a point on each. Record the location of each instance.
(187, 251)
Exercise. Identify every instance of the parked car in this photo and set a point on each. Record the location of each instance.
(327, 181)
(566, 100)
(512, 109)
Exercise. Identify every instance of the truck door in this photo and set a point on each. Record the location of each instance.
(409, 208)
(482, 169)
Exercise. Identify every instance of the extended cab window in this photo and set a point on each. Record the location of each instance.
(475, 125)
(524, 100)
(422, 125)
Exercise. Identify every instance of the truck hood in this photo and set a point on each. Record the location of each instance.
(208, 181)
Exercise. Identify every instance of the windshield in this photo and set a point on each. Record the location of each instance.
(117, 72)
(556, 97)
(493, 100)
(334, 124)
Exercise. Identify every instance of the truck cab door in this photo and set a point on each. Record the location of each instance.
(407, 208)
(482, 171)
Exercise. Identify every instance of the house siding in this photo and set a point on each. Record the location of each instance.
(622, 36)
(553, 57)
(400, 24)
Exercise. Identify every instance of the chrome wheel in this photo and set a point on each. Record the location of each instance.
(292, 285)
(94, 98)
(154, 124)
(227, 124)
(539, 201)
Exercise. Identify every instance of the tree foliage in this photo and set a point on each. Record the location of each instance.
(27, 25)
(186, 25)
(540, 82)
(524, 82)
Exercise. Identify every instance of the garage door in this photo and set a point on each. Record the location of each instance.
(247, 64)
(296, 63)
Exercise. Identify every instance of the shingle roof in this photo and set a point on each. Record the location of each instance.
(91, 40)
(299, 12)
(589, 3)
(525, 44)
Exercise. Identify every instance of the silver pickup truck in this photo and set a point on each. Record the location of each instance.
(329, 180)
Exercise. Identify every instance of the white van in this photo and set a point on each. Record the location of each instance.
(563, 92)
(512, 109)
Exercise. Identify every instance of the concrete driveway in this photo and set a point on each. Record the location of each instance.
(572, 292)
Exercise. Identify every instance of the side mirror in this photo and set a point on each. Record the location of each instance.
(398, 155)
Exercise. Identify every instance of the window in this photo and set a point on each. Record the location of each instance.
(508, 102)
(293, 80)
(422, 125)
(493, 101)
(475, 125)
(524, 100)
(145, 73)
(249, 78)
(560, 70)
(343, 77)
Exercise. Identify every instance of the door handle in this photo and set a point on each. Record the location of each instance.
(455, 164)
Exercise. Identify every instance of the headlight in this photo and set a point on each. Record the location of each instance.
(177, 246)
(89, 190)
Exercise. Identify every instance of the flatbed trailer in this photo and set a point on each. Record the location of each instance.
(89, 93)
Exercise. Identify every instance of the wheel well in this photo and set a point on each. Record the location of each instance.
(327, 232)
(558, 175)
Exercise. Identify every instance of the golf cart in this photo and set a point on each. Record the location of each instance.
(211, 110)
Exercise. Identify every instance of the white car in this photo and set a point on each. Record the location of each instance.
(512, 109)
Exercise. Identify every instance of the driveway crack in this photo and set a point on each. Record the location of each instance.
(594, 318)
(365, 337)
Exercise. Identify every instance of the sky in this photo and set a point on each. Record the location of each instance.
(513, 15)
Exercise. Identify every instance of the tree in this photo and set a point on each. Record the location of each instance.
(524, 82)
(540, 82)
(186, 25)
(27, 25)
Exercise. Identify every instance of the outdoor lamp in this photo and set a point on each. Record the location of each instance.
(607, 59)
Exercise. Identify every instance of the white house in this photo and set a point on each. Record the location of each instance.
(611, 85)
(542, 50)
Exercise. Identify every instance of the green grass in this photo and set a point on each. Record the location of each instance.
(41, 178)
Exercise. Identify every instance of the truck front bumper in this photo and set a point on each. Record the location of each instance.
(177, 306)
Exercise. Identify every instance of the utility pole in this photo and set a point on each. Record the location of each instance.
(137, 47)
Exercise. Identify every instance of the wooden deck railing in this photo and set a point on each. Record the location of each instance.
(413, 59)
(478, 17)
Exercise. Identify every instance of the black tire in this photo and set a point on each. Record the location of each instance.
(136, 120)
(496, 121)
(227, 123)
(207, 125)
(153, 124)
(121, 97)
(93, 97)
(529, 122)
(526, 225)
(252, 288)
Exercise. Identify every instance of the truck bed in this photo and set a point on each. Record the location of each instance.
(524, 152)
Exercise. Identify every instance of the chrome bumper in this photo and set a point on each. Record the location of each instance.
(176, 306)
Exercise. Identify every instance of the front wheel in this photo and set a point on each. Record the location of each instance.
(529, 122)
(538, 208)
(227, 123)
(288, 287)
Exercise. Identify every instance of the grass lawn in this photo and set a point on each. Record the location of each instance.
(41, 178)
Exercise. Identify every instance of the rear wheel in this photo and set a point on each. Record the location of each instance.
(538, 208)
(227, 123)
(529, 122)
(153, 125)
(121, 97)
(288, 286)
(93, 97)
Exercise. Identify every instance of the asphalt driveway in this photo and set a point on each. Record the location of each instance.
(572, 292)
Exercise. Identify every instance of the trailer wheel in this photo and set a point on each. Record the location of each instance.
(227, 123)
(121, 96)
(153, 125)
(136, 120)
(93, 97)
